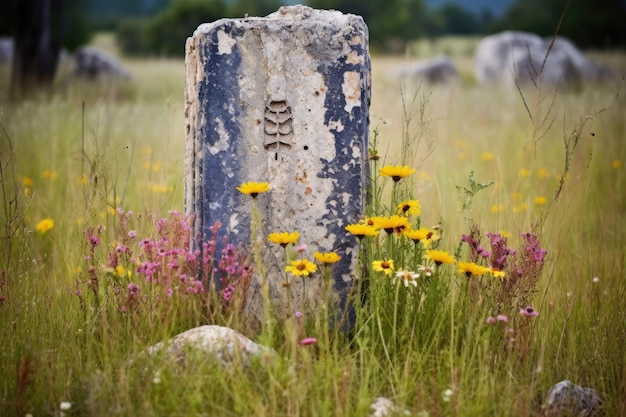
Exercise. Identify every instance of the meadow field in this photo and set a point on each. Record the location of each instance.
(92, 175)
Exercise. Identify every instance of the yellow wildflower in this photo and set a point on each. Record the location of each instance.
(470, 268)
(392, 224)
(327, 257)
(254, 188)
(361, 230)
(51, 175)
(487, 156)
(540, 200)
(284, 238)
(496, 208)
(440, 257)
(301, 267)
(542, 173)
(419, 235)
(44, 225)
(383, 266)
(496, 273)
(410, 207)
(396, 172)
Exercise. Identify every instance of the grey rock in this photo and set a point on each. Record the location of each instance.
(384, 407)
(518, 57)
(6, 50)
(569, 399)
(94, 63)
(439, 70)
(223, 343)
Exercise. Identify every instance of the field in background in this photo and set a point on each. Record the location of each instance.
(132, 136)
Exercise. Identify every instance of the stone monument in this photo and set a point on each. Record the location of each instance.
(282, 99)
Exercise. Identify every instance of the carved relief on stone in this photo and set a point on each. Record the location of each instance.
(277, 125)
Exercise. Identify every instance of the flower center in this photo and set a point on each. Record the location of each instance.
(385, 265)
(301, 267)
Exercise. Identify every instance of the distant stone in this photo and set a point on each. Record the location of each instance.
(509, 57)
(6, 50)
(569, 399)
(94, 63)
(223, 343)
(439, 70)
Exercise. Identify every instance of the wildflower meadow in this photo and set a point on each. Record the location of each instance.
(490, 257)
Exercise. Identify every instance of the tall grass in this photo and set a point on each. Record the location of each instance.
(69, 324)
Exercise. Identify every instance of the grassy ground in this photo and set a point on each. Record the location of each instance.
(69, 323)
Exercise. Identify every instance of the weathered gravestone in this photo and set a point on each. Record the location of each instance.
(282, 99)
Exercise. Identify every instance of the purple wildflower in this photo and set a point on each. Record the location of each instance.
(529, 311)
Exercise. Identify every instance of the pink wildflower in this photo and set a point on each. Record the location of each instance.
(491, 320)
(308, 341)
(529, 311)
(502, 318)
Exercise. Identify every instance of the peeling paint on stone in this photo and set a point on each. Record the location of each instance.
(283, 99)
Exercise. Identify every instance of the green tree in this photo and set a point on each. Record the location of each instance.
(391, 23)
(40, 29)
(167, 32)
(589, 23)
(240, 8)
(456, 20)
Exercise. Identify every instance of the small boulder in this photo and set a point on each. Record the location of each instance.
(94, 63)
(384, 407)
(517, 57)
(569, 399)
(439, 70)
(224, 343)
(6, 50)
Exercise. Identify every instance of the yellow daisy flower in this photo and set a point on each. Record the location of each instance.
(392, 224)
(301, 267)
(51, 175)
(496, 208)
(383, 266)
(283, 238)
(410, 207)
(44, 225)
(542, 173)
(496, 273)
(419, 235)
(440, 257)
(396, 172)
(470, 268)
(254, 188)
(327, 258)
(361, 230)
(487, 156)
(540, 200)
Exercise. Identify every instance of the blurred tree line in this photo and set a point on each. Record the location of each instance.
(392, 23)
(41, 28)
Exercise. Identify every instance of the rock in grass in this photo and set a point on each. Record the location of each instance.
(569, 399)
(439, 70)
(511, 58)
(225, 344)
(94, 63)
(384, 407)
